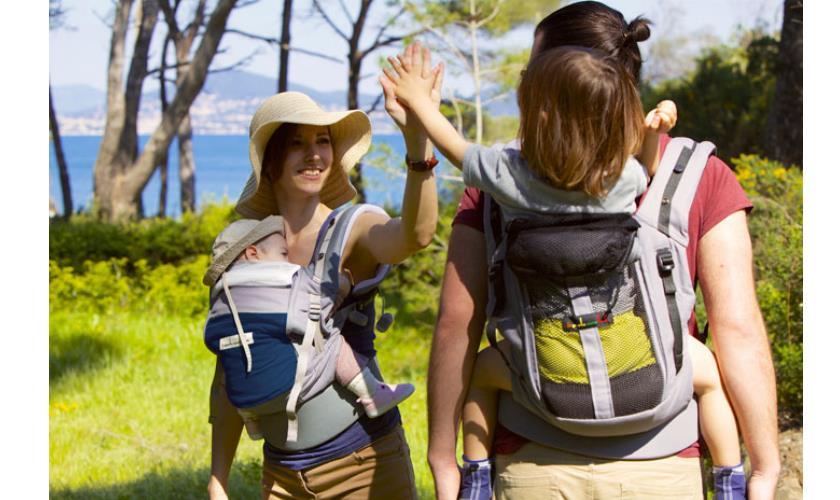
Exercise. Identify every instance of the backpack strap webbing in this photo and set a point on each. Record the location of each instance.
(311, 342)
(667, 206)
(243, 340)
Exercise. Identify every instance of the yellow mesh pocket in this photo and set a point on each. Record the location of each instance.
(560, 352)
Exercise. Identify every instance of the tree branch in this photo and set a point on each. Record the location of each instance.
(346, 11)
(266, 39)
(242, 62)
(329, 21)
(489, 18)
(375, 104)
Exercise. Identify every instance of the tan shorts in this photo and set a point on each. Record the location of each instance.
(379, 470)
(536, 471)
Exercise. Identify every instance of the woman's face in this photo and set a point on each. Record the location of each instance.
(307, 162)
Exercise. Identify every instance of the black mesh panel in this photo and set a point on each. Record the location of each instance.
(636, 391)
(568, 400)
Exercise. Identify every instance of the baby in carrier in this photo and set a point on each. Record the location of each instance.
(251, 269)
(581, 121)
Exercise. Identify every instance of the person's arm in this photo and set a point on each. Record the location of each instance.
(456, 338)
(392, 240)
(411, 87)
(658, 121)
(724, 266)
(226, 430)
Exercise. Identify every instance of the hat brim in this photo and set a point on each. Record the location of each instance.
(350, 134)
(269, 225)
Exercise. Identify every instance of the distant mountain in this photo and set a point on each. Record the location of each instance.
(224, 107)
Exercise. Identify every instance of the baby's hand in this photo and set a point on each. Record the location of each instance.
(662, 119)
(411, 79)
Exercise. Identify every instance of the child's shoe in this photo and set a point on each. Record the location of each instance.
(730, 482)
(476, 480)
(386, 397)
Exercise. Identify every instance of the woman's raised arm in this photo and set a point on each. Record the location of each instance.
(392, 240)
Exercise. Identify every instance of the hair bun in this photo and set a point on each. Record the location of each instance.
(638, 30)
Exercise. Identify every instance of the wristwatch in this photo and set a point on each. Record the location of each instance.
(421, 165)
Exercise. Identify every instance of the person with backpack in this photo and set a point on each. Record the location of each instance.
(576, 165)
(535, 459)
(301, 156)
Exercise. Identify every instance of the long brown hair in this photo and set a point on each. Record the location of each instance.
(275, 151)
(580, 118)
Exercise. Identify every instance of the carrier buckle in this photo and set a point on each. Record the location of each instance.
(664, 261)
(592, 320)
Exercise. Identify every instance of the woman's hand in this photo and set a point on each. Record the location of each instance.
(418, 57)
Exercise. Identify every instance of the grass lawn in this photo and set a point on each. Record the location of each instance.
(129, 404)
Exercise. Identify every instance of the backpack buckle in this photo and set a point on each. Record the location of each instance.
(592, 320)
(664, 261)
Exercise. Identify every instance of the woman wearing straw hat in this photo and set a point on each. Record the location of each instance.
(300, 157)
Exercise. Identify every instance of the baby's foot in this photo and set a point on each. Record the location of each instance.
(386, 397)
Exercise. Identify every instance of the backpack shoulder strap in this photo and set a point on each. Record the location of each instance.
(668, 201)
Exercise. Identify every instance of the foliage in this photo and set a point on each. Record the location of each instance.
(157, 241)
(776, 229)
(726, 98)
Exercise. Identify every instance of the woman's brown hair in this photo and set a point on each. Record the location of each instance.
(580, 118)
(275, 151)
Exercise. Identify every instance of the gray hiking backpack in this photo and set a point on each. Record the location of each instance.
(595, 310)
(281, 371)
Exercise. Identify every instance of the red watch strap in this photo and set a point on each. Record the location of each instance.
(421, 165)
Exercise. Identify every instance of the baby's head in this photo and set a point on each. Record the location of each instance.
(580, 118)
(272, 248)
(247, 240)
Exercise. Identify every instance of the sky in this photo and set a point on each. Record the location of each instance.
(79, 52)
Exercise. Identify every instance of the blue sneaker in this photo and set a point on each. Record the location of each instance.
(476, 480)
(730, 482)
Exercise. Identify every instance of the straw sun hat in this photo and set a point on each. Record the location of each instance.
(350, 134)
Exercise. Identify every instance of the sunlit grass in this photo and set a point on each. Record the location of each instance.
(129, 403)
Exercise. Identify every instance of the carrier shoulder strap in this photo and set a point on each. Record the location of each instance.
(326, 271)
(666, 207)
(668, 200)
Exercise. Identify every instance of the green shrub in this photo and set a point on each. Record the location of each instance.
(157, 241)
(776, 229)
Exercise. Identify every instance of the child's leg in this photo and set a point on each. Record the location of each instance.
(718, 425)
(717, 422)
(376, 396)
(490, 375)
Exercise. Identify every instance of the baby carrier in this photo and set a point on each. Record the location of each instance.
(595, 309)
(281, 370)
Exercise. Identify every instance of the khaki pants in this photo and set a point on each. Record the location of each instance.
(379, 470)
(538, 472)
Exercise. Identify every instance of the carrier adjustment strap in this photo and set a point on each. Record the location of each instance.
(312, 342)
(239, 329)
(593, 352)
(671, 187)
(665, 263)
(495, 272)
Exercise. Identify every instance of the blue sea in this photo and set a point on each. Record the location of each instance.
(222, 167)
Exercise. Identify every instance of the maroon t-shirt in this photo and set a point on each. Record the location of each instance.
(718, 196)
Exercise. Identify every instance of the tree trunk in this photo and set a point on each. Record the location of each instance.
(476, 69)
(354, 57)
(63, 174)
(164, 164)
(186, 170)
(285, 43)
(783, 132)
(119, 194)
